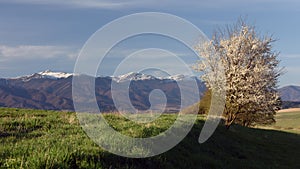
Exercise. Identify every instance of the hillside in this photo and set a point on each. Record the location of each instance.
(49, 139)
(290, 93)
(289, 104)
(53, 91)
(288, 120)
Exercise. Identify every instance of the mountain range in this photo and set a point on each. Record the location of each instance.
(290, 95)
(53, 91)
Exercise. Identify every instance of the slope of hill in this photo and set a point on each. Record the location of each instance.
(53, 91)
(290, 93)
(290, 104)
(288, 120)
(290, 96)
(48, 139)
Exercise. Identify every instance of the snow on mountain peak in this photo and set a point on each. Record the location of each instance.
(55, 75)
(178, 77)
(132, 76)
(45, 75)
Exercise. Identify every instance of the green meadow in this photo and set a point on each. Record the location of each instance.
(50, 139)
(288, 121)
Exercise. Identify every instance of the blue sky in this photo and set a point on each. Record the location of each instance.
(36, 35)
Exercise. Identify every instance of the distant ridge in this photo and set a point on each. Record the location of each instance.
(47, 74)
(131, 76)
(290, 93)
(53, 90)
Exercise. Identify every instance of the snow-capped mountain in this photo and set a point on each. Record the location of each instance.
(181, 77)
(45, 75)
(132, 76)
(53, 90)
(55, 75)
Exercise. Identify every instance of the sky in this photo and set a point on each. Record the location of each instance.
(36, 35)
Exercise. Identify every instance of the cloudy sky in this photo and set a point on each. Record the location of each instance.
(36, 35)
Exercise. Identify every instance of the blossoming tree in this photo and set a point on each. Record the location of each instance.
(251, 74)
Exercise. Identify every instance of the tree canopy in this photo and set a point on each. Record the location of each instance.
(250, 71)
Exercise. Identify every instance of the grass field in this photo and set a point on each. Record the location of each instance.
(49, 139)
(288, 121)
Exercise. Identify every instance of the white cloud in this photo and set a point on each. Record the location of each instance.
(154, 58)
(31, 52)
(116, 4)
(151, 53)
(84, 3)
(156, 4)
(218, 4)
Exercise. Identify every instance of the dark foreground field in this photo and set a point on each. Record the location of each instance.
(48, 139)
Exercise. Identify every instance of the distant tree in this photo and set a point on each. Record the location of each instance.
(251, 73)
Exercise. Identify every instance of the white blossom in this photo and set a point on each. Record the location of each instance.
(251, 74)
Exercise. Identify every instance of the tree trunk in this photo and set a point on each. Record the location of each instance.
(230, 119)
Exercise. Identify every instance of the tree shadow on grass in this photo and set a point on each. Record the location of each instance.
(238, 147)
